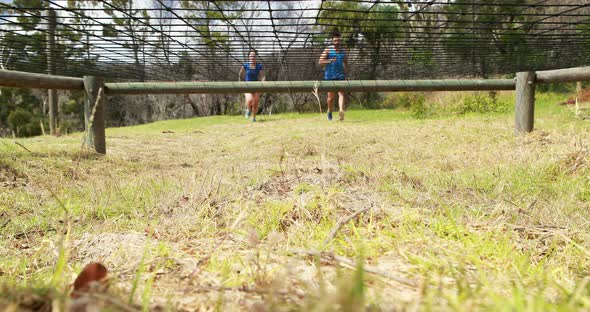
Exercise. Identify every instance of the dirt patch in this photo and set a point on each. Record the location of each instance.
(112, 249)
(574, 162)
(11, 177)
(537, 137)
(286, 183)
(122, 253)
(583, 97)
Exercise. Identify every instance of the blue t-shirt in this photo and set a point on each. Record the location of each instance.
(252, 73)
(335, 70)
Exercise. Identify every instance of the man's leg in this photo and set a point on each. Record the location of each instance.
(331, 96)
(341, 104)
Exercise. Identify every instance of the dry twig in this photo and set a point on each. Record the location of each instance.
(316, 93)
(28, 150)
(341, 223)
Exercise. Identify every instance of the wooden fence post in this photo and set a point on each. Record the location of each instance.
(52, 96)
(94, 113)
(525, 102)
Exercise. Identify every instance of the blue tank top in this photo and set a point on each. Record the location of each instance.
(252, 73)
(335, 70)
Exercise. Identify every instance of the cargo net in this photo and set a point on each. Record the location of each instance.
(172, 40)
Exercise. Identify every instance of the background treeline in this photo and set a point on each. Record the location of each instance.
(386, 40)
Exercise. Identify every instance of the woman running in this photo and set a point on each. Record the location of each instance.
(252, 71)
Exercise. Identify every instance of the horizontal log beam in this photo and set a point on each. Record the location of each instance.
(18, 79)
(564, 75)
(308, 86)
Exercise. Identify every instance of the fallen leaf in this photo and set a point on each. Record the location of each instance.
(92, 277)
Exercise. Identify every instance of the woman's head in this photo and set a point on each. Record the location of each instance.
(252, 56)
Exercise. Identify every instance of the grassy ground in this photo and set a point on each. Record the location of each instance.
(222, 214)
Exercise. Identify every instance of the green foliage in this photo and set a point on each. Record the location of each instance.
(556, 87)
(24, 123)
(20, 49)
(22, 111)
(132, 21)
(461, 103)
(206, 11)
(184, 66)
(377, 26)
(72, 113)
(345, 16)
(481, 102)
(12, 99)
(407, 100)
(421, 109)
(19, 118)
(366, 100)
(372, 23)
(505, 37)
(70, 107)
(30, 20)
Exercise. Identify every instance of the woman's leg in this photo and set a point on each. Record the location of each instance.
(255, 101)
(249, 97)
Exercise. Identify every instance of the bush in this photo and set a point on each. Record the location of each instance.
(364, 100)
(24, 123)
(18, 118)
(557, 87)
(71, 107)
(403, 100)
(414, 101)
(70, 125)
(33, 128)
(420, 108)
(481, 102)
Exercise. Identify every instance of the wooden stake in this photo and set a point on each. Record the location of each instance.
(525, 102)
(52, 94)
(94, 123)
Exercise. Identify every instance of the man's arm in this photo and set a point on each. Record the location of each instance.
(324, 58)
(241, 75)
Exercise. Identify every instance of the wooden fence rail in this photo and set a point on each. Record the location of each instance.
(96, 90)
(10, 78)
(197, 87)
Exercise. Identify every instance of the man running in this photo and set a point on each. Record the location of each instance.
(336, 68)
(252, 71)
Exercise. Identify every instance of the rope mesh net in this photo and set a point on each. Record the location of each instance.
(172, 40)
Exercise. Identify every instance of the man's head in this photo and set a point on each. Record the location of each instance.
(336, 38)
(252, 56)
